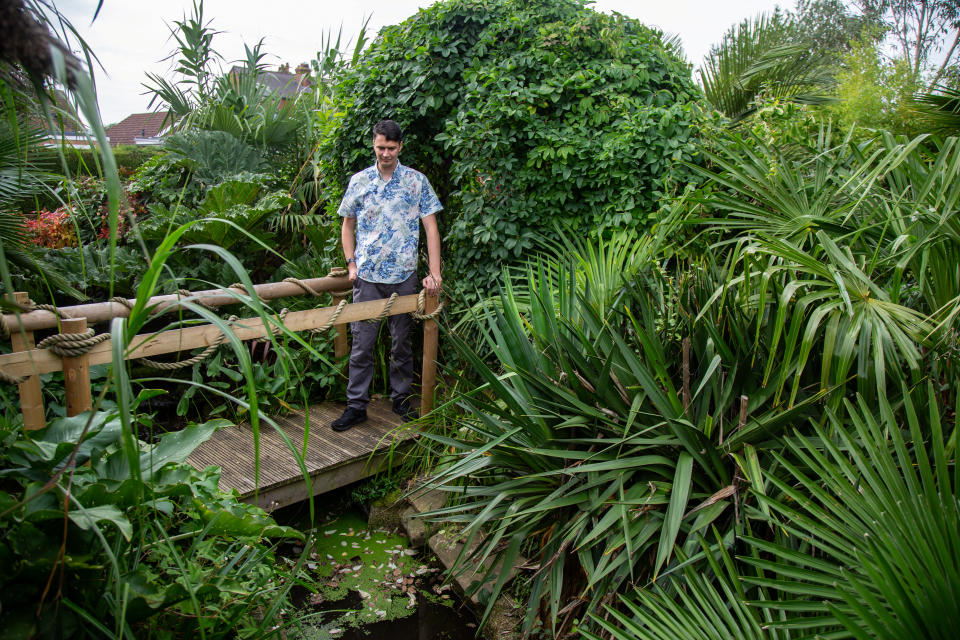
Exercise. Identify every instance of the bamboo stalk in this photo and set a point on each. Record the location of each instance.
(429, 374)
(76, 372)
(31, 390)
(149, 345)
(104, 311)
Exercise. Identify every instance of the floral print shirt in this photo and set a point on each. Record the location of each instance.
(388, 221)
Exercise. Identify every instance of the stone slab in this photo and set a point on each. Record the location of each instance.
(447, 548)
(428, 500)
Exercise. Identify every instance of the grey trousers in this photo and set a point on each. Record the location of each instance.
(365, 337)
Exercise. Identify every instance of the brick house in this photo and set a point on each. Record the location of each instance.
(141, 129)
(285, 84)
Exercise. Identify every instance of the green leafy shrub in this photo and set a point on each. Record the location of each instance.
(84, 163)
(866, 541)
(135, 549)
(524, 115)
(164, 181)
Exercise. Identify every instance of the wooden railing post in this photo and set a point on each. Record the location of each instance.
(76, 372)
(340, 346)
(31, 391)
(430, 337)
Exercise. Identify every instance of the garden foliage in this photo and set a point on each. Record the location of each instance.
(159, 549)
(525, 116)
(722, 404)
(647, 403)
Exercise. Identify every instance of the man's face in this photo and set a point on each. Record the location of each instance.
(387, 152)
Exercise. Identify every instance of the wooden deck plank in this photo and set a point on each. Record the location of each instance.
(333, 459)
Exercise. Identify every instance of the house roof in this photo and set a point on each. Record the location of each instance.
(287, 85)
(65, 120)
(137, 125)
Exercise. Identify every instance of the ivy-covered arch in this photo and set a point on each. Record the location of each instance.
(524, 115)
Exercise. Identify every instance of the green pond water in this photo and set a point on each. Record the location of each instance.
(369, 583)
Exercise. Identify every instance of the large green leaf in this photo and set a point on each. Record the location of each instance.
(88, 517)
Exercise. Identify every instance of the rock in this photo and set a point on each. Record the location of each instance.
(447, 548)
(417, 530)
(385, 513)
(385, 516)
(428, 500)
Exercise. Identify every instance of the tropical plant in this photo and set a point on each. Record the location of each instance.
(598, 442)
(106, 536)
(194, 57)
(74, 475)
(764, 57)
(874, 92)
(940, 110)
(501, 100)
(828, 271)
(235, 102)
(864, 540)
(24, 178)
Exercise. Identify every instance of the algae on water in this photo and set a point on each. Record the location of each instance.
(377, 565)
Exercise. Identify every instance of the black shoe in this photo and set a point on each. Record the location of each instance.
(401, 407)
(349, 418)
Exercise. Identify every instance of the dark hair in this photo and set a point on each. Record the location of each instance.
(389, 130)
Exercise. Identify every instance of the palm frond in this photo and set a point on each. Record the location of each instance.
(939, 110)
(871, 520)
(761, 58)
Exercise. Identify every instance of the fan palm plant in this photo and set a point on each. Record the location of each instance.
(24, 176)
(864, 540)
(853, 244)
(939, 110)
(762, 57)
(606, 434)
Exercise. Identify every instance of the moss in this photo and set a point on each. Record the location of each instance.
(376, 564)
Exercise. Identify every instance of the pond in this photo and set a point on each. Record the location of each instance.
(369, 583)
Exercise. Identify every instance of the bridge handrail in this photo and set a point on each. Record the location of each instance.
(97, 312)
(28, 362)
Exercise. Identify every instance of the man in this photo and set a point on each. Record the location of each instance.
(382, 211)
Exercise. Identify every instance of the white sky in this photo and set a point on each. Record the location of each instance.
(130, 37)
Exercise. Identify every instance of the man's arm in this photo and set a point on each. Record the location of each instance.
(348, 239)
(433, 281)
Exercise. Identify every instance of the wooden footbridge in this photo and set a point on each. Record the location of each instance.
(273, 477)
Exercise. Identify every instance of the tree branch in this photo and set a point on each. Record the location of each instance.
(946, 60)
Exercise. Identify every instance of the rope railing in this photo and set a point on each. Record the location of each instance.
(41, 316)
(74, 345)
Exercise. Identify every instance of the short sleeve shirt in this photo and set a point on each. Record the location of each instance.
(388, 221)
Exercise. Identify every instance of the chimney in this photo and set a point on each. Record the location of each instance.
(284, 68)
(303, 75)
